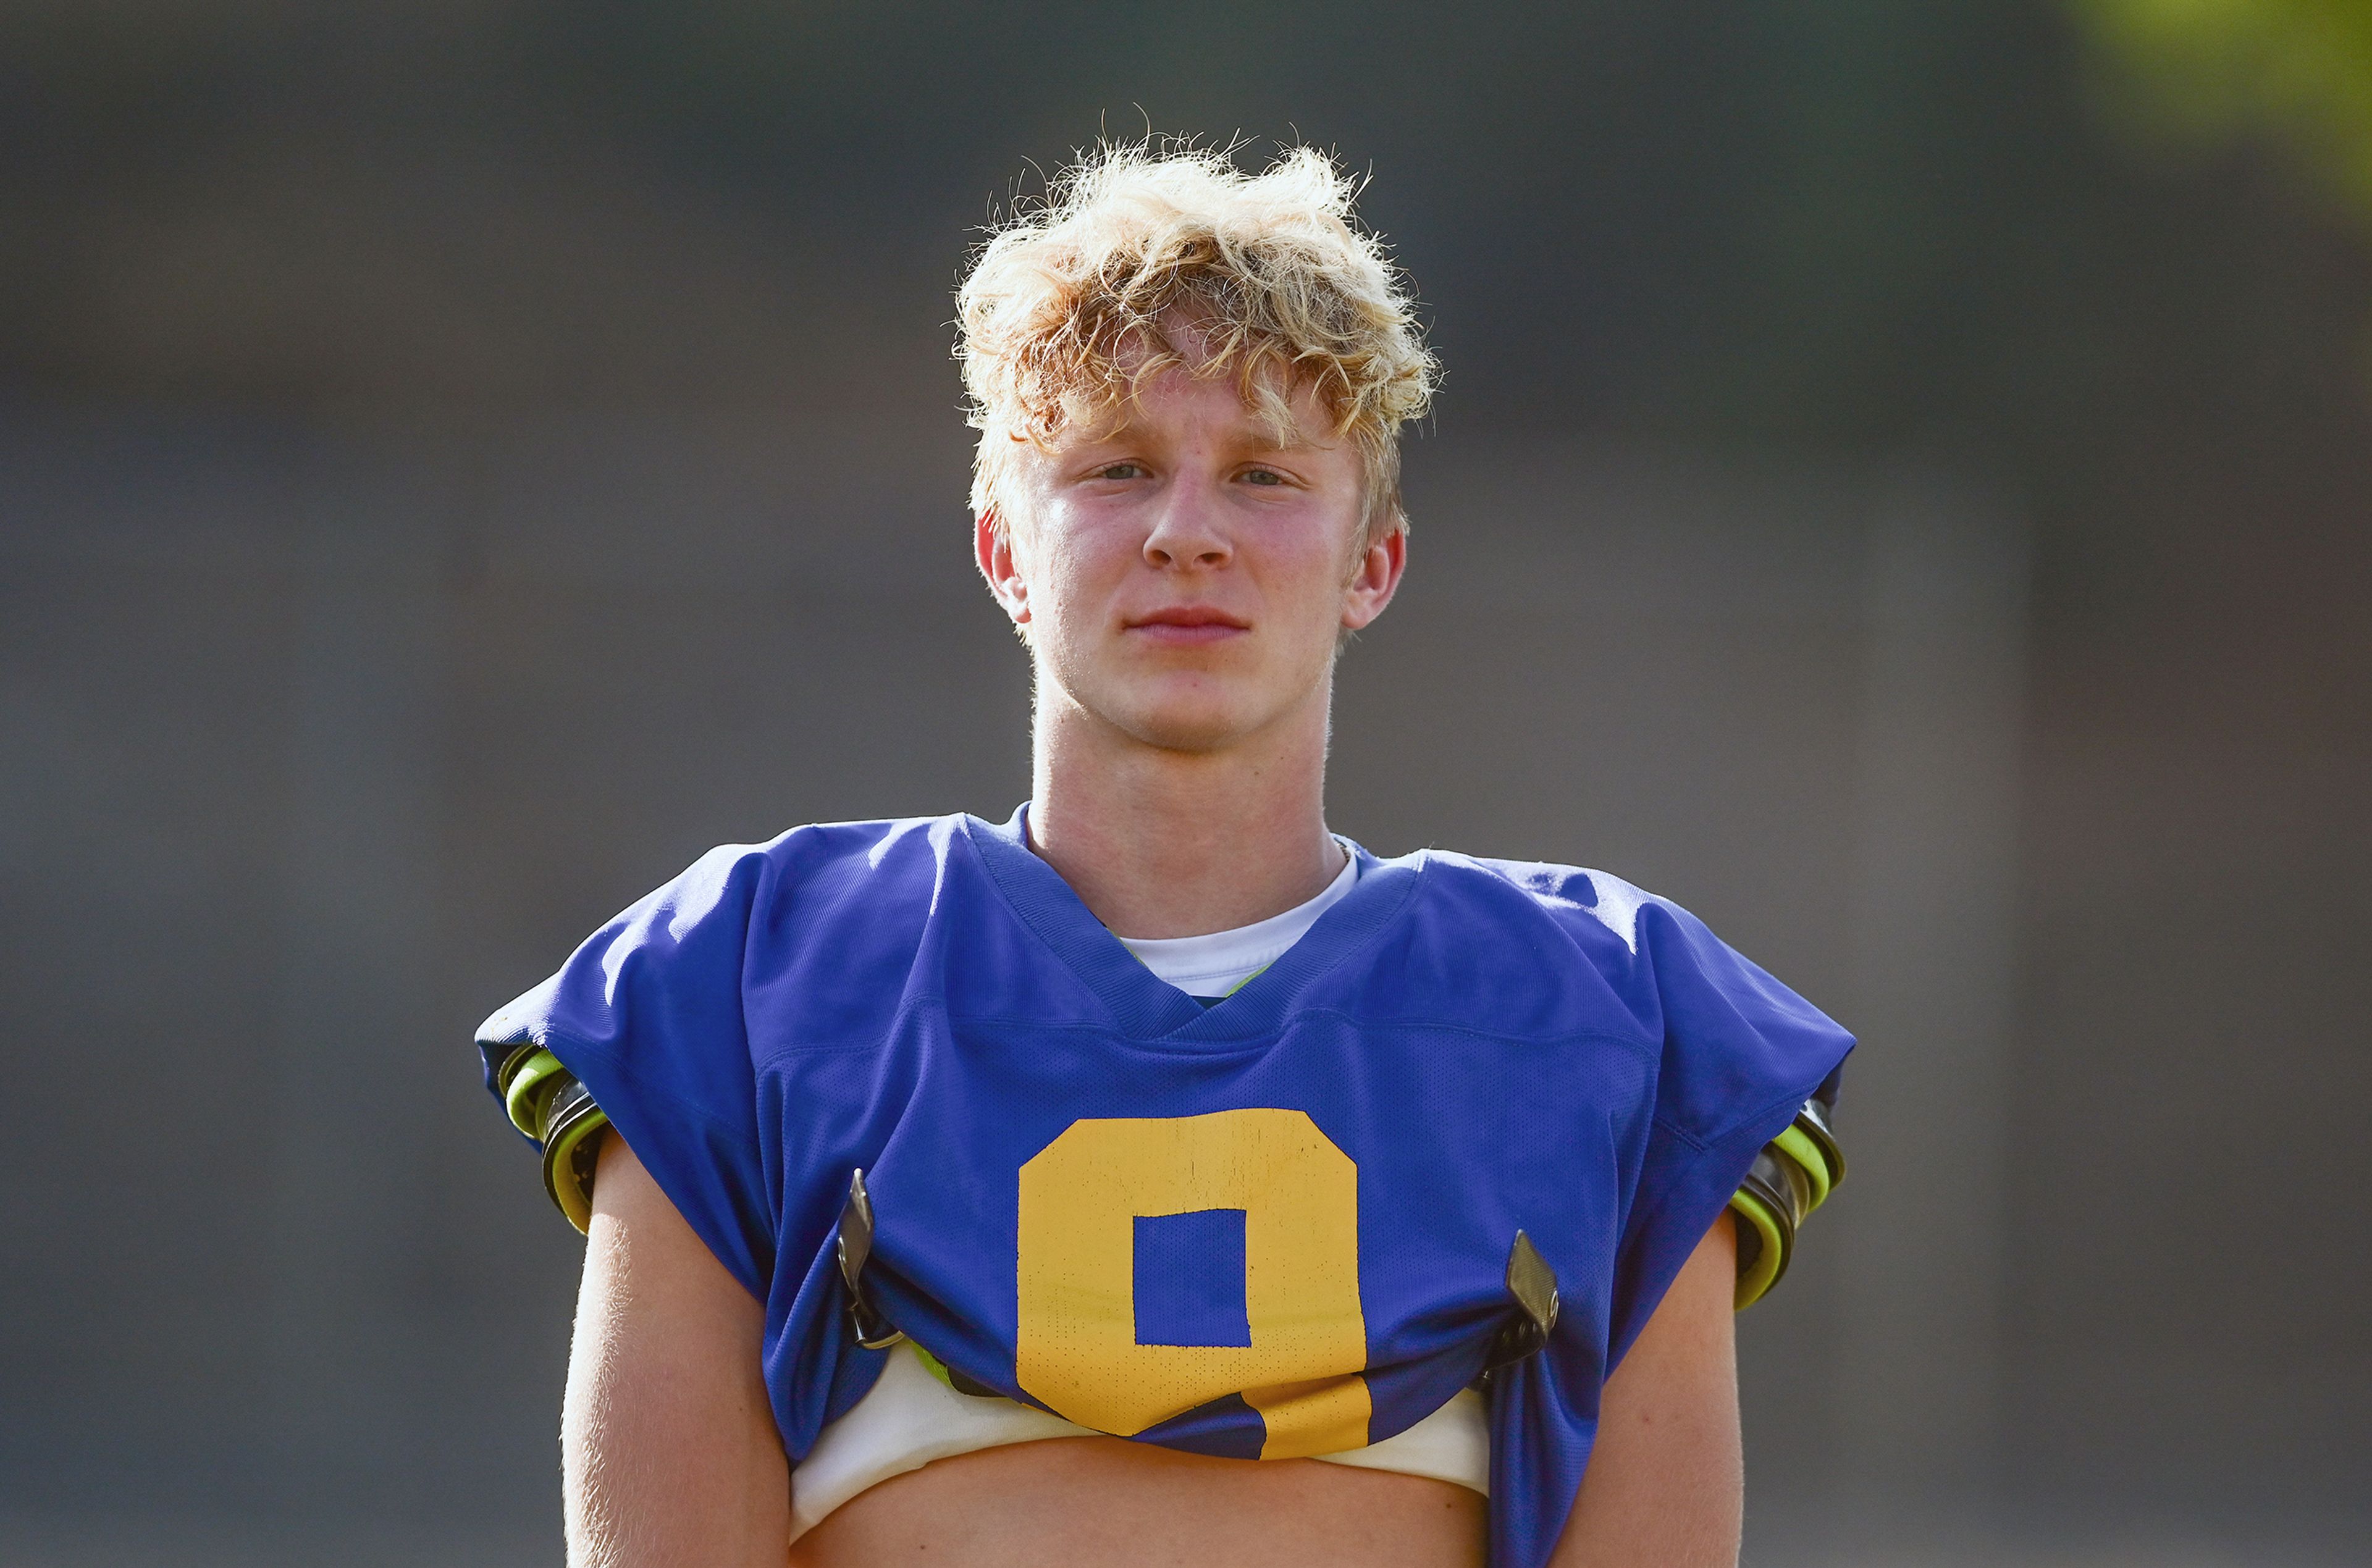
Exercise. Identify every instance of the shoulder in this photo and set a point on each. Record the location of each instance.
(1629, 935)
(1627, 939)
(808, 875)
(1724, 1028)
(1598, 912)
(820, 864)
(686, 948)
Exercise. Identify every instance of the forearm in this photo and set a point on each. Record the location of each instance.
(1666, 1486)
(669, 1450)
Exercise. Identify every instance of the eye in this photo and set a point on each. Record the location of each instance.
(1263, 476)
(1120, 470)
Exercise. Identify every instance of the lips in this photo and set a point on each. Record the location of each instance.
(1187, 625)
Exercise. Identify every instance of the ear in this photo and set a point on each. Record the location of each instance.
(1375, 578)
(991, 545)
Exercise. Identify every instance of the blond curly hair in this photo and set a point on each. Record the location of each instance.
(1079, 301)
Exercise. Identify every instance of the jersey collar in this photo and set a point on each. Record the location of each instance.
(1144, 1006)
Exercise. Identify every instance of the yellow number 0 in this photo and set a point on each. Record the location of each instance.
(1076, 1349)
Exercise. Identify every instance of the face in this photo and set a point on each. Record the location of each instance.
(1183, 580)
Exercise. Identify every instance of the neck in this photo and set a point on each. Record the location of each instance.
(1178, 843)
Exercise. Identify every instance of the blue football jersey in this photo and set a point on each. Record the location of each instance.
(1274, 1226)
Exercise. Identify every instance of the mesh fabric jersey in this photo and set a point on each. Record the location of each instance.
(1275, 1226)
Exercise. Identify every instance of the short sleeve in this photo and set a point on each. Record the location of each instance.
(1742, 1056)
(647, 1017)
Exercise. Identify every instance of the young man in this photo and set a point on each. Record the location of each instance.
(1157, 1177)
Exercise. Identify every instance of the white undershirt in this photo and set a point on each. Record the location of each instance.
(909, 1418)
(1216, 964)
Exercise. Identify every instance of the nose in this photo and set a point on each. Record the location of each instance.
(1187, 530)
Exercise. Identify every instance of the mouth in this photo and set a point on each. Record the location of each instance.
(1189, 625)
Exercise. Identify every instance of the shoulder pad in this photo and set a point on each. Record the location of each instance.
(1793, 1176)
(549, 1105)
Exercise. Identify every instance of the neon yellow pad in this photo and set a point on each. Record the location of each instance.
(932, 1364)
(1764, 1273)
(520, 1099)
(561, 1159)
(1797, 1145)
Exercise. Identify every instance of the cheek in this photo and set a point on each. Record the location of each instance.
(1071, 574)
(1314, 568)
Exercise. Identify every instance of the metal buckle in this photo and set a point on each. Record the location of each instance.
(873, 1330)
(1534, 1284)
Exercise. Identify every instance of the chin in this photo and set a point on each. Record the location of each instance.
(1198, 728)
(1200, 714)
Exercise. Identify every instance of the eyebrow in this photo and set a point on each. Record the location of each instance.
(1259, 441)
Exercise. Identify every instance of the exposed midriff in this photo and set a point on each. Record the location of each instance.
(1107, 1502)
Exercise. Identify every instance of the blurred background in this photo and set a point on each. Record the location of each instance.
(1903, 487)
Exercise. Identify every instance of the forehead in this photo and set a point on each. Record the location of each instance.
(1175, 401)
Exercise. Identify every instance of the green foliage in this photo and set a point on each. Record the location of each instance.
(2300, 70)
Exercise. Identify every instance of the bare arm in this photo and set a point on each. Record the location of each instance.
(668, 1451)
(1666, 1481)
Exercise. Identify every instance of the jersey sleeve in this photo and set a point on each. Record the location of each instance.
(1745, 1092)
(643, 1030)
